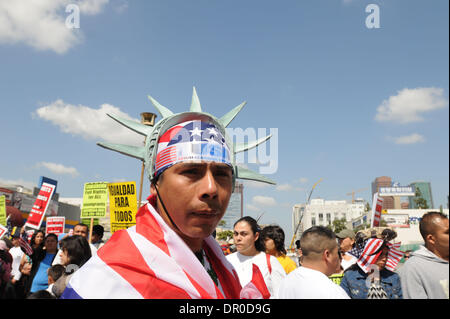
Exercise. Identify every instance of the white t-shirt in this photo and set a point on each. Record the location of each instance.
(243, 265)
(347, 263)
(16, 254)
(306, 283)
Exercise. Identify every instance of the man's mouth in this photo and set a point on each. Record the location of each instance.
(206, 213)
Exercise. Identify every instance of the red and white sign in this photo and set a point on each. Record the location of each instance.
(3, 231)
(40, 206)
(55, 225)
(377, 206)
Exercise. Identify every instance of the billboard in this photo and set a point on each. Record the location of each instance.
(402, 191)
(396, 220)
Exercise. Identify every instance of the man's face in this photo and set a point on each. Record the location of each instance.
(334, 261)
(440, 237)
(196, 196)
(51, 244)
(346, 244)
(80, 230)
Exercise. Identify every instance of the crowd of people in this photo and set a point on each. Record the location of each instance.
(170, 253)
(325, 266)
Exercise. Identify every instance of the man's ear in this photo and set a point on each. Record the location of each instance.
(152, 189)
(326, 255)
(431, 239)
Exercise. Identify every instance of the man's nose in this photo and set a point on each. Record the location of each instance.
(208, 186)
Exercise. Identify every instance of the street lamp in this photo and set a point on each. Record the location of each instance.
(148, 119)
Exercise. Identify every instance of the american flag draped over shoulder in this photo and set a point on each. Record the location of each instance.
(151, 261)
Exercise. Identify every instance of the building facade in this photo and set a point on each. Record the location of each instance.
(384, 181)
(425, 189)
(322, 212)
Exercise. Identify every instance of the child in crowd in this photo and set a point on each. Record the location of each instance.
(54, 273)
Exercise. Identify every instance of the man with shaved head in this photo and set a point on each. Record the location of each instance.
(320, 260)
(425, 273)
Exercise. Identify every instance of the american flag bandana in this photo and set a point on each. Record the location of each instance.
(369, 255)
(191, 141)
(151, 261)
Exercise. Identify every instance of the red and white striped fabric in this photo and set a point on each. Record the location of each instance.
(376, 210)
(369, 255)
(151, 261)
(394, 256)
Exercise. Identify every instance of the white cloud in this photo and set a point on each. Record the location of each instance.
(303, 180)
(409, 139)
(409, 105)
(91, 7)
(90, 123)
(264, 201)
(254, 184)
(41, 24)
(252, 208)
(121, 7)
(58, 168)
(284, 187)
(18, 182)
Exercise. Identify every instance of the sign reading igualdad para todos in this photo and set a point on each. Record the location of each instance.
(122, 205)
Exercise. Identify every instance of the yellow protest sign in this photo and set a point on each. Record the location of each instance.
(2, 210)
(122, 205)
(95, 200)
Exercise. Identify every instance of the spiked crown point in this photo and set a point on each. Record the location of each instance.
(168, 121)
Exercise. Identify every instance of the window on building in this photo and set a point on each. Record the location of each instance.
(328, 217)
(320, 217)
(313, 221)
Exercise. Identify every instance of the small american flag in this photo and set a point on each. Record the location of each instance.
(368, 256)
(394, 256)
(25, 246)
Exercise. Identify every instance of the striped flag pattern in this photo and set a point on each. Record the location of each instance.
(151, 261)
(25, 246)
(376, 210)
(394, 256)
(166, 156)
(368, 256)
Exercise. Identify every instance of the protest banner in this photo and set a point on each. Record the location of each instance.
(3, 210)
(40, 206)
(55, 225)
(95, 198)
(122, 205)
(377, 206)
(3, 231)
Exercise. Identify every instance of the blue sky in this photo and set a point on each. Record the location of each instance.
(350, 103)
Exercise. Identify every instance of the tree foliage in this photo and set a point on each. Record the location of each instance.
(419, 200)
(224, 235)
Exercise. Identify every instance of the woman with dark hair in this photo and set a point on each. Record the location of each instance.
(41, 260)
(273, 239)
(75, 252)
(250, 250)
(369, 277)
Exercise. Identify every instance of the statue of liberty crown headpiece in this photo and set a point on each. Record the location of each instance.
(148, 152)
